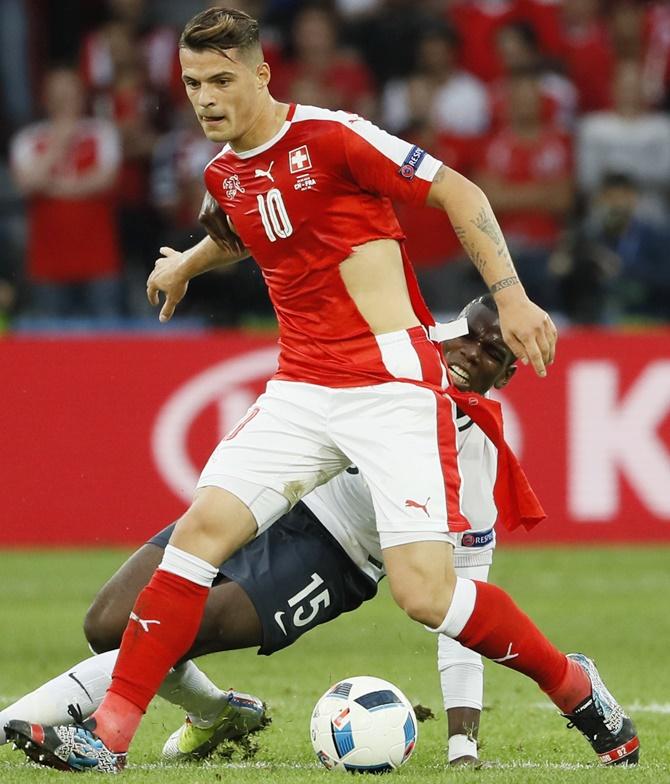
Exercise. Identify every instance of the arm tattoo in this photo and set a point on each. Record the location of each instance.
(474, 255)
(503, 284)
(487, 224)
(441, 172)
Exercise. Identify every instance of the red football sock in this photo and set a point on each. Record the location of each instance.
(116, 722)
(499, 630)
(162, 627)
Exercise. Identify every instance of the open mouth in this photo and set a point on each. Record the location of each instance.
(211, 119)
(459, 377)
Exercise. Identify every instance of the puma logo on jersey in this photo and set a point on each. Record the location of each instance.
(509, 655)
(144, 624)
(409, 503)
(268, 173)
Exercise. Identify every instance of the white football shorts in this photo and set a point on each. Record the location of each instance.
(402, 437)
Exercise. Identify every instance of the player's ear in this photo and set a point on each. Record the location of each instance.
(506, 377)
(263, 75)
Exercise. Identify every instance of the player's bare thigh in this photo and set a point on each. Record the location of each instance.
(374, 277)
(215, 526)
(230, 620)
(422, 579)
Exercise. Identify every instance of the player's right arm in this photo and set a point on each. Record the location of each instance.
(174, 269)
(386, 165)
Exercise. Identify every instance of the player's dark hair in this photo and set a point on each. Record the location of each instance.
(220, 29)
(487, 300)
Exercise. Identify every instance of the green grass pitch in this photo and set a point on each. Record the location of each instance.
(609, 603)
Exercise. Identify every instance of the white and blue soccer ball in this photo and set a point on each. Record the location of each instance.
(363, 724)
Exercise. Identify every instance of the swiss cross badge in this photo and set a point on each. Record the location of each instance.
(299, 160)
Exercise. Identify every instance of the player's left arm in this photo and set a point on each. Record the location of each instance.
(526, 328)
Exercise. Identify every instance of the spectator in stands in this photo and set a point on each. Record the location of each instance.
(575, 32)
(438, 92)
(518, 48)
(614, 265)
(67, 167)
(641, 32)
(629, 139)
(388, 37)
(130, 103)
(656, 68)
(526, 172)
(319, 71)
(155, 47)
(478, 24)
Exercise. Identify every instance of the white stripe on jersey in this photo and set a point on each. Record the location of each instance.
(393, 148)
(224, 150)
(399, 355)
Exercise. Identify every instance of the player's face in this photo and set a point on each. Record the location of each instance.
(479, 360)
(226, 92)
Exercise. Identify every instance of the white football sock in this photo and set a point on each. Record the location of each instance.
(84, 685)
(190, 689)
(461, 670)
(461, 675)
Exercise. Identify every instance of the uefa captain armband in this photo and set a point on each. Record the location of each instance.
(412, 163)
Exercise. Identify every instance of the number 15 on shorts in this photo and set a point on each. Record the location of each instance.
(305, 605)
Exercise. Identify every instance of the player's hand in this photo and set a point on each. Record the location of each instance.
(529, 332)
(167, 277)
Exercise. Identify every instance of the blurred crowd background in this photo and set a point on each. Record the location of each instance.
(557, 108)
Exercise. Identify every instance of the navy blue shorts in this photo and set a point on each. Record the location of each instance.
(297, 576)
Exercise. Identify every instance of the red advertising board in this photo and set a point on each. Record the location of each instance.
(102, 439)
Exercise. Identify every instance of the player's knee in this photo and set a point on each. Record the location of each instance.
(103, 626)
(428, 607)
(214, 526)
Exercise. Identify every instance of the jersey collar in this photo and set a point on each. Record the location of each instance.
(266, 145)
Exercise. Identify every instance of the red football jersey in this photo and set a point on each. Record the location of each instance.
(301, 203)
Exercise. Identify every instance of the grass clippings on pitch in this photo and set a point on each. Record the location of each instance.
(609, 603)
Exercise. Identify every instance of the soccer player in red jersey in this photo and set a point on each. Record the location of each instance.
(307, 191)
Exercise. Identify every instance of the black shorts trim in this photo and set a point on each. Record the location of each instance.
(297, 576)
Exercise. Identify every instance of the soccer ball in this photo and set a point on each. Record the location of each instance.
(363, 724)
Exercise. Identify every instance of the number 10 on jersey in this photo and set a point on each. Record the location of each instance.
(275, 219)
